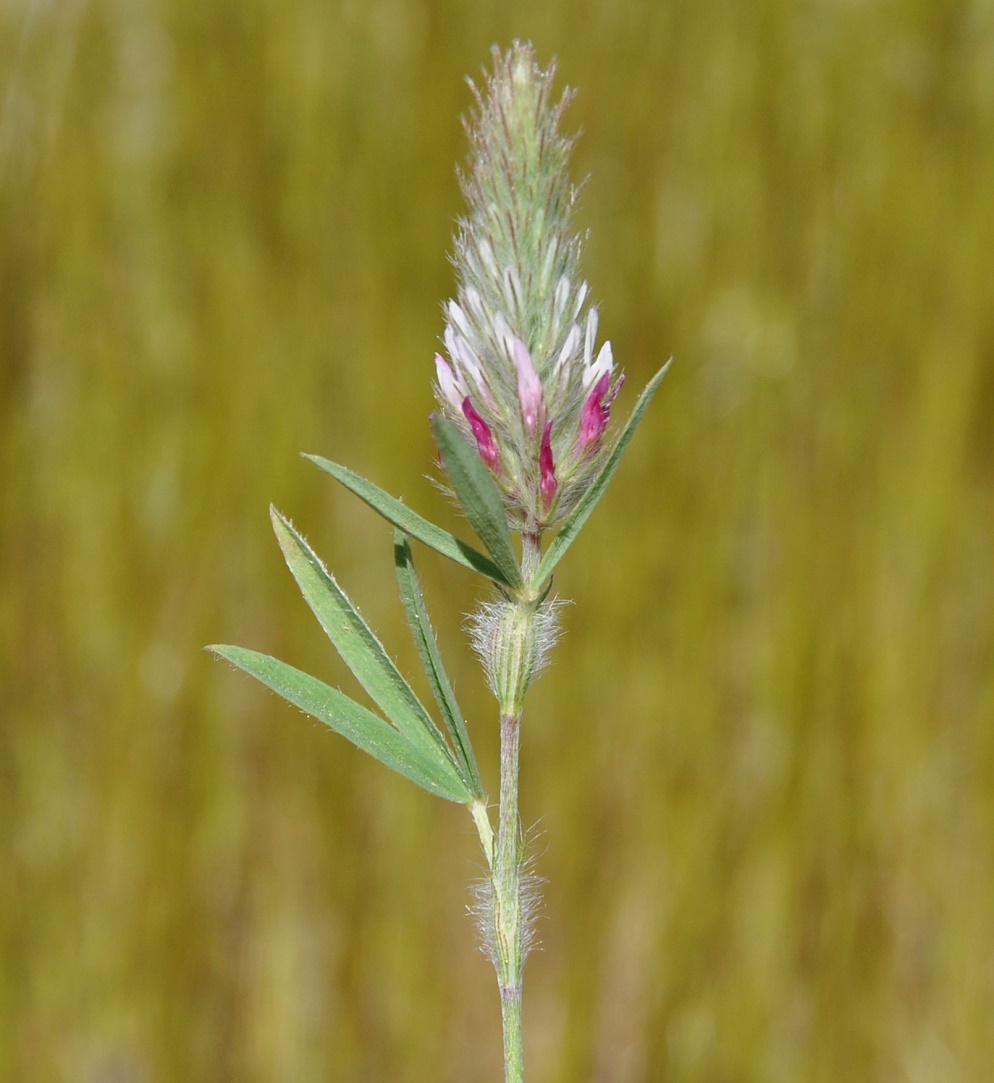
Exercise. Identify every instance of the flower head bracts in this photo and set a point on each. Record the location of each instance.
(522, 377)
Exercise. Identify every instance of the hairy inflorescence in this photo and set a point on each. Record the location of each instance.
(522, 375)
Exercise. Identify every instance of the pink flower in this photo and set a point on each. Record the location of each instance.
(447, 382)
(597, 412)
(529, 387)
(481, 430)
(548, 484)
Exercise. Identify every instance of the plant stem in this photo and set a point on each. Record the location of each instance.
(507, 898)
(513, 662)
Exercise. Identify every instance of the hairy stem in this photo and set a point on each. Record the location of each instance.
(516, 663)
(507, 898)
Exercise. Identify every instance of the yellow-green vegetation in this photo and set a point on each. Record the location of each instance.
(764, 755)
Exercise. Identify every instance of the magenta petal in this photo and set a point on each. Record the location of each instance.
(597, 412)
(548, 483)
(594, 419)
(481, 430)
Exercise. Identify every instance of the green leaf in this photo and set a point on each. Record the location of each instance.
(358, 724)
(417, 617)
(581, 513)
(397, 512)
(479, 496)
(361, 651)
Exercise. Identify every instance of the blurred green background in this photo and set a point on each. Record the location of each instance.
(762, 766)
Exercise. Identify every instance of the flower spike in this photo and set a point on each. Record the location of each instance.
(521, 343)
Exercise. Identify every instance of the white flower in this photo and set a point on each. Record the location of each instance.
(603, 365)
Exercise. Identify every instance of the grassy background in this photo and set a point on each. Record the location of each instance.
(762, 766)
